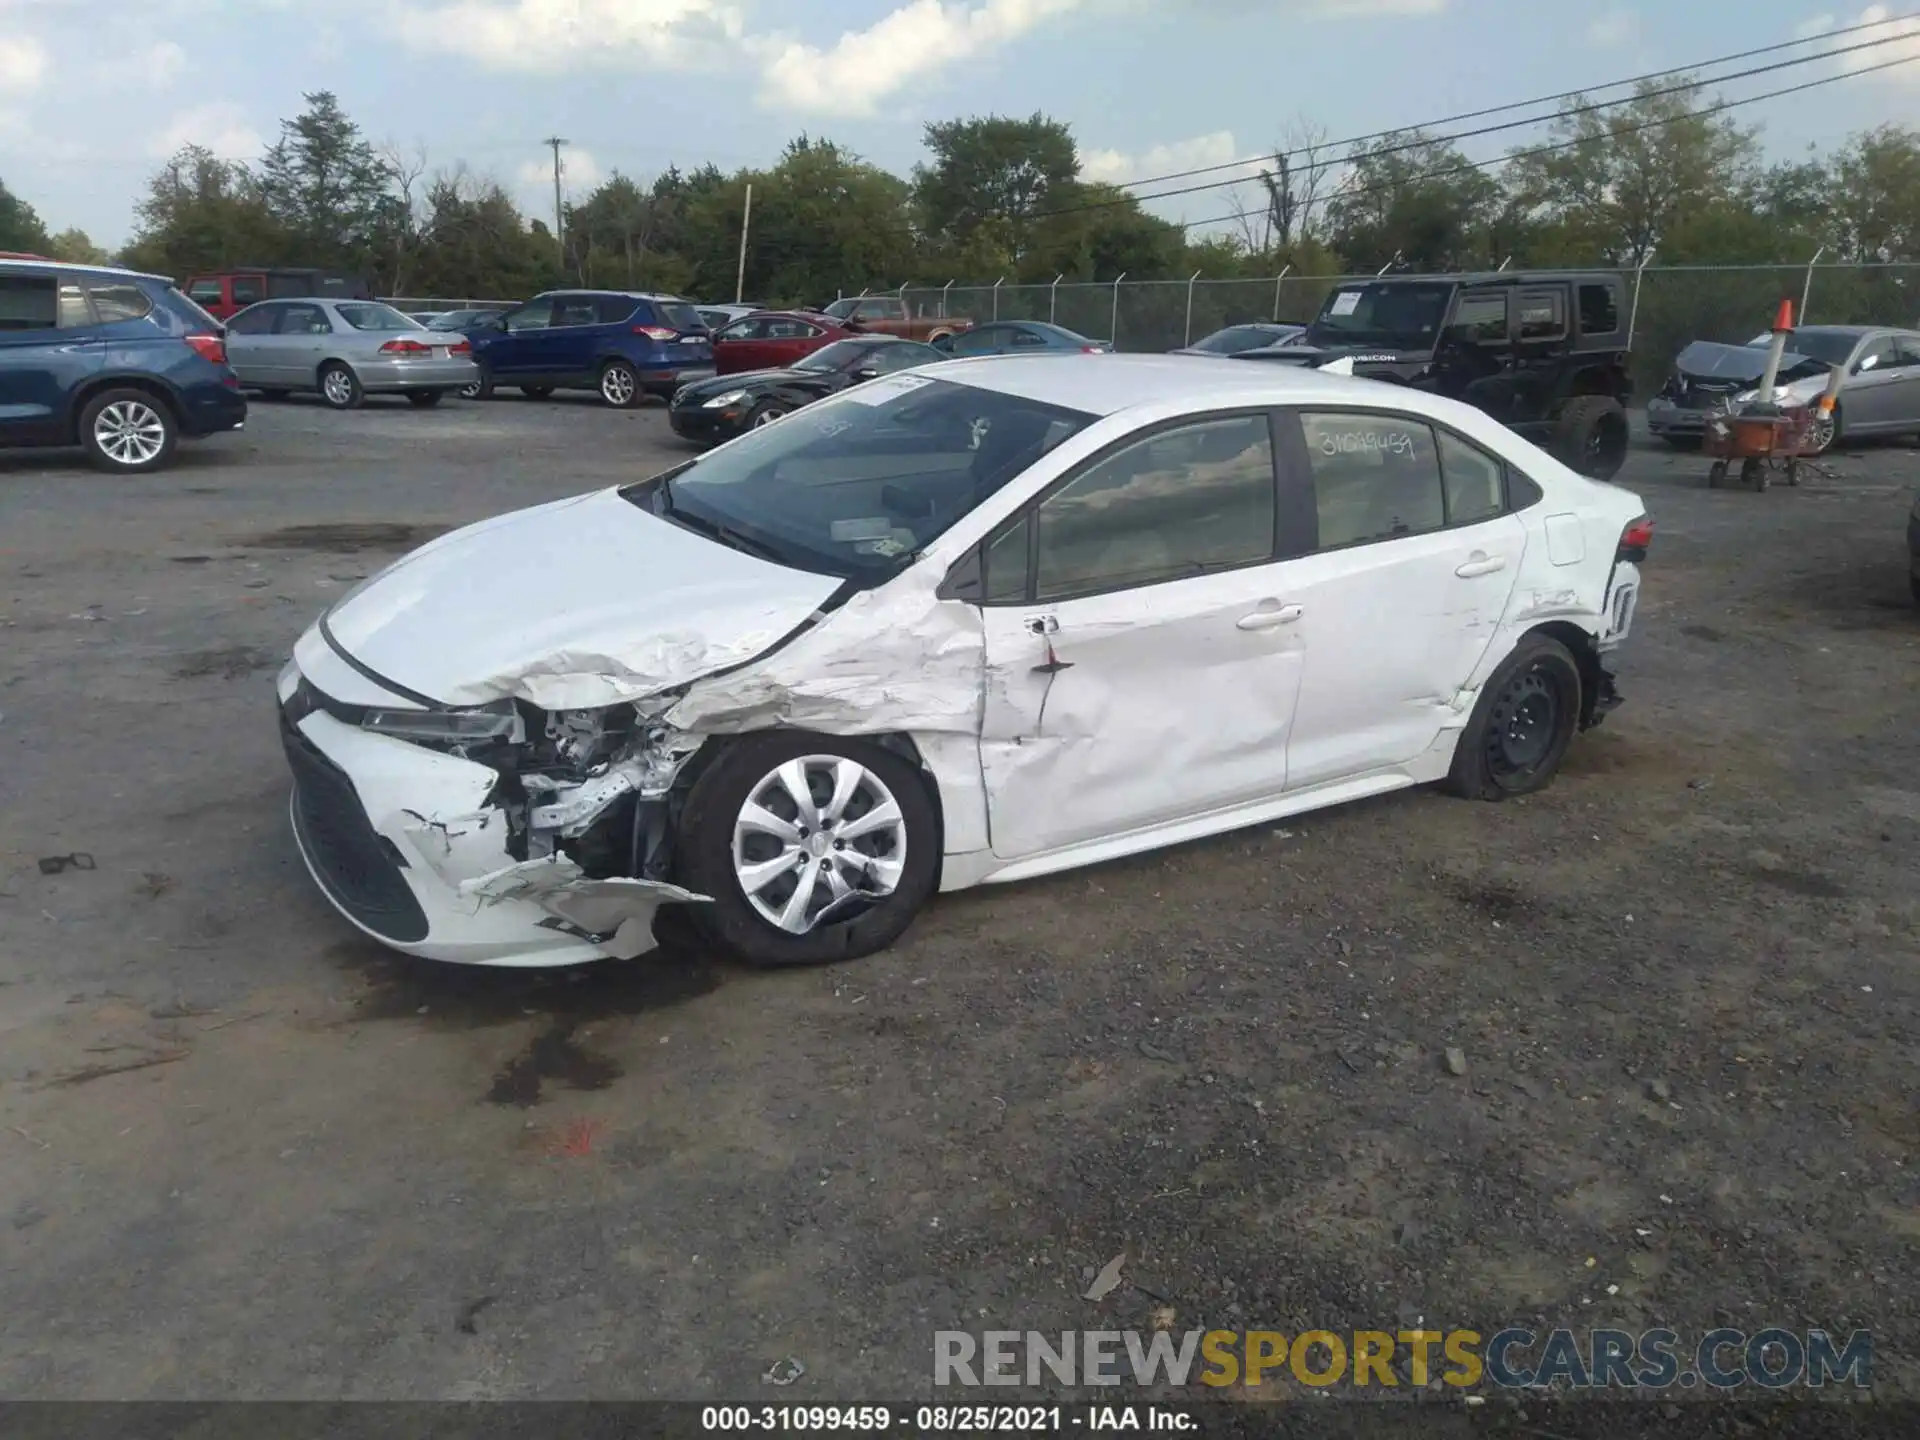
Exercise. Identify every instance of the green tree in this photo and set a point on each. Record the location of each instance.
(1877, 197)
(330, 190)
(204, 213)
(20, 227)
(76, 247)
(994, 168)
(476, 243)
(1413, 200)
(1633, 172)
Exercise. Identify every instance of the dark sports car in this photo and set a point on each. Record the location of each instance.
(720, 408)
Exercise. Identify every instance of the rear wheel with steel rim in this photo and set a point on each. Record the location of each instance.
(765, 413)
(128, 432)
(812, 847)
(619, 385)
(340, 387)
(481, 389)
(1526, 718)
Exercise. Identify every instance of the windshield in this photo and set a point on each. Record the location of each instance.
(1830, 347)
(376, 317)
(857, 485)
(1236, 338)
(840, 309)
(1407, 316)
(837, 356)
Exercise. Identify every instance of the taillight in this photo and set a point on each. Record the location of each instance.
(405, 347)
(1634, 541)
(656, 332)
(460, 347)
(209, 347)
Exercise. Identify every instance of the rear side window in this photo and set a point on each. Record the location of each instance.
(1183, 502)
(305, 320)
(618, 309)
(1375, 477)
(116, 302)
(374, 317)
(249, 289)
(1599, 310)
(743, 330)
(29, 302)
(570, 310)
(1542, 315)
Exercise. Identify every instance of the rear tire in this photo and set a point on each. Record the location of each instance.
(481, 389)
(889, 799)
(340, 387)
(424, 399)
(1590, 436)
(128, 432)
(619, 385)
(1526, 717)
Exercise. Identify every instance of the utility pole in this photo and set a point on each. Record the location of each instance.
(740, 276)
(559, 215)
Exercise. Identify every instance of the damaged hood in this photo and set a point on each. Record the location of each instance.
(1705, 360)
(571, 605)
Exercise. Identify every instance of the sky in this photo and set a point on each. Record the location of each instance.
(94, 94)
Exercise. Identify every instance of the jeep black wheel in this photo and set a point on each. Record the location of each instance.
(1590, 436)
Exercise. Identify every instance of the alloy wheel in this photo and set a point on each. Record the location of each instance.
(617, 385)
(129, 432)
(767, 416)
(819, 830)
(338, 387)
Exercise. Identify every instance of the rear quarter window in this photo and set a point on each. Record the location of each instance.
(183, 304)
(116, 302)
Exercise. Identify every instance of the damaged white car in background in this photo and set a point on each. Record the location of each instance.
(975, 623)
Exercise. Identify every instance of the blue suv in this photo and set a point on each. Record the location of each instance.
(118, 363)
(624, 344)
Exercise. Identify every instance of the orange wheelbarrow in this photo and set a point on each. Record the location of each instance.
(1762, 440)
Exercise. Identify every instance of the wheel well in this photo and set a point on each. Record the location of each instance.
(1586, 654)
(84, 397)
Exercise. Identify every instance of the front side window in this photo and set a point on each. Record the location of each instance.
(257, 321)
(888, 358)
(249, 289)
(1375, 477)
(379, 318)
(1182, 502)
(790, 330)
(743, 330)
(880, 310)
(29, 302)
(1876, 356)
(534, 315)
(840, 355)
(856, 485)
(1482, 318)
(975, 342)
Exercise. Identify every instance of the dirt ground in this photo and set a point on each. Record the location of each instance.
(246, 1153)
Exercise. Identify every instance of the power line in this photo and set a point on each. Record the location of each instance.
(1581, 93)
(1425, 140)
(1465, 167)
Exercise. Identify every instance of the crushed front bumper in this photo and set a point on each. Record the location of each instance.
(403, 841)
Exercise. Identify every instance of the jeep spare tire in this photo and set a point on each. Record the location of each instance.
(1590, 436)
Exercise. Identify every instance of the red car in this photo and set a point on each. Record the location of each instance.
(772, 340)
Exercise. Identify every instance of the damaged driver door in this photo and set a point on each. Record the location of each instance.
(1142, 665)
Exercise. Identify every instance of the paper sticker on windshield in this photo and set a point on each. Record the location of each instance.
(845, 532)
(1345, 303)
(879, 392)
(887, 547)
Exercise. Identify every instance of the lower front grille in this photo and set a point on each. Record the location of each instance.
(358, 869)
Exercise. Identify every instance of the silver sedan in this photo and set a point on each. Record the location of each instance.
(345, 350)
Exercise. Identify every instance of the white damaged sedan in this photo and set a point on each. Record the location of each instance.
(977, 622)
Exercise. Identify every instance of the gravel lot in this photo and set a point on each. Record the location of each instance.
(245, 1153)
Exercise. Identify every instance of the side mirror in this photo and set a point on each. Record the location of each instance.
(866, 372)
(1865, 363)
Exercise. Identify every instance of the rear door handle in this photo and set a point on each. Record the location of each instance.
(1270, 619)
(1481, 565)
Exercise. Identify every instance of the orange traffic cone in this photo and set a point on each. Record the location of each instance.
(1784, 320)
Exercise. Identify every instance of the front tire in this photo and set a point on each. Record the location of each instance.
(128, 432)
(1526, 718)
(340, 387)
(423, 399)
(481, 389)
(765, 413)
(619, 385)
(1822, 435)
(812, 847)
(1590, 436)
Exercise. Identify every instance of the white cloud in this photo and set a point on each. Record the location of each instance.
(161, 64)
(1817, 25)
(1903, 44)
(919, 41)
(220, 127)
(24, 63)
(547, 35)
(1116, 167)
(1616, 26)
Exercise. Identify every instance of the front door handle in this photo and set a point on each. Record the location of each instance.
(1481, 565)
(1270, 619)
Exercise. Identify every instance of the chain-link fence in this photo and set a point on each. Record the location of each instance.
(1672, 305)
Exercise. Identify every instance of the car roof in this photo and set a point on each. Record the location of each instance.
(791, 315)
(1488, 277)
(1856, 331)
(1109, 384)
(65, 267)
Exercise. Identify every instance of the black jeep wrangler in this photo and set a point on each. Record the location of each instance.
(1543, 353)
